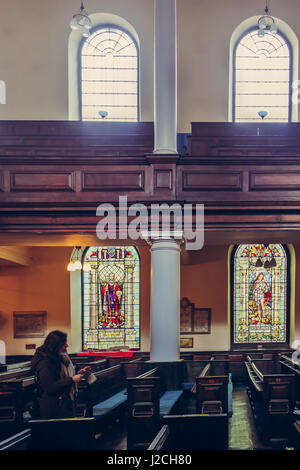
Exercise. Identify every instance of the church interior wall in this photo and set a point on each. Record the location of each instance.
(45, 285)
(34, 53)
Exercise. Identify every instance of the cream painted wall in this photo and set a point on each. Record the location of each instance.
(34, 38)
(45, 285)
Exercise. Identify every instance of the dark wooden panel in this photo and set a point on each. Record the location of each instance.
(114, 181)
(245, 129)
(212, 180)
(163, 179)
(274, 180)
(41, 181)
(69, 137)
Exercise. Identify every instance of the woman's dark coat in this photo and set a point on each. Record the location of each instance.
(53, 391)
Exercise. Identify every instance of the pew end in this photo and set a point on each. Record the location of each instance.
(62, 434)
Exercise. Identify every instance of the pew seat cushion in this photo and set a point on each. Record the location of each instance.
(187, 386)
(110, 404)
(168, 400)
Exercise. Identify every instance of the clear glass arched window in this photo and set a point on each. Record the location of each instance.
(260, 286)
(109, 76)
(262, 77)
(111, 297)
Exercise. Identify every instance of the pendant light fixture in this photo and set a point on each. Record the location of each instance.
(266, 22)
(81, 21)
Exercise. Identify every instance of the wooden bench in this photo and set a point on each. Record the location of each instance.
(104, 396)
(192, 432)
(272, 397)
(12, 367)
(54, 434)
(148, 401)
(16, 395)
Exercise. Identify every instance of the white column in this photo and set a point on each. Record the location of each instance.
(165, 77)
(165, 300)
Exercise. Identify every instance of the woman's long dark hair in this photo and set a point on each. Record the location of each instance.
(54, 341)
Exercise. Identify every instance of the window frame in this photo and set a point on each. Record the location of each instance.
(290, 48)
(264, 345)
(79, 56)
(82, 294)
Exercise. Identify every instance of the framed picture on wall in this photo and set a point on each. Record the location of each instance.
(30, 324)
(194, 320)
(202, 320)
(186, 342)
(186, 315)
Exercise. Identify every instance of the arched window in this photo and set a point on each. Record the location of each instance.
(109, 75)
(260, 294)
(262, 77)
(111, 297)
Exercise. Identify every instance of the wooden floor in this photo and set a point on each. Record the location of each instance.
(242, 432)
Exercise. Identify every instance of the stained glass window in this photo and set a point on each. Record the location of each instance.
(110, 76)
(260, 293)
(111, 298)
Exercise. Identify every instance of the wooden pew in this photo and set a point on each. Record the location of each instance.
(148, 401)
(104, 396)
(19, 441)
(54, 434)
(16, 396)
(12, 367)
(272, 397)
(291, 367)
(192, 432)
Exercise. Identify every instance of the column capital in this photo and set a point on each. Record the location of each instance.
(164, 239)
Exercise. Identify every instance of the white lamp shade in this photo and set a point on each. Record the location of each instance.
(87, 267)
(71, 266)
(85, 33)
(87, 23)
(73, 23)
(78, 265)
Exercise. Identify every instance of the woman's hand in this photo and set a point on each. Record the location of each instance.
(84, 370)
(77, 378)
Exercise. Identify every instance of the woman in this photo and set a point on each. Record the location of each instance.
(56, 378)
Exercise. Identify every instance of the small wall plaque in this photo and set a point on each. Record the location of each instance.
(30, 324)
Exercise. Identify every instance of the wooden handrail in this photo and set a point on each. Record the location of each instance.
(160, 438)
(205, 370)
(148, 373)
(257, 372)
(257, 386)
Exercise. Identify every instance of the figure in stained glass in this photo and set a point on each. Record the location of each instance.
(261, 296)
(111, 300)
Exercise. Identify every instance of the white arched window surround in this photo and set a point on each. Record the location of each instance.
(287, 32)
(74, 47)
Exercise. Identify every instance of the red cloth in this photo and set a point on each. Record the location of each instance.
(108, 353)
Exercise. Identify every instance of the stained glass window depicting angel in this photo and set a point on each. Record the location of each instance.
(260, 293)
(111, 298)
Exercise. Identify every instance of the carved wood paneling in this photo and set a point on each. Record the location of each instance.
(41, 181)
(113, 181)
(274, 180)
(213, 180)
(163, 179)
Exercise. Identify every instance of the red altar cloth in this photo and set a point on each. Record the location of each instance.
(107, 354)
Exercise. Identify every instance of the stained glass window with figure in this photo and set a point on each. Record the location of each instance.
(260, 293)
(111, 298)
